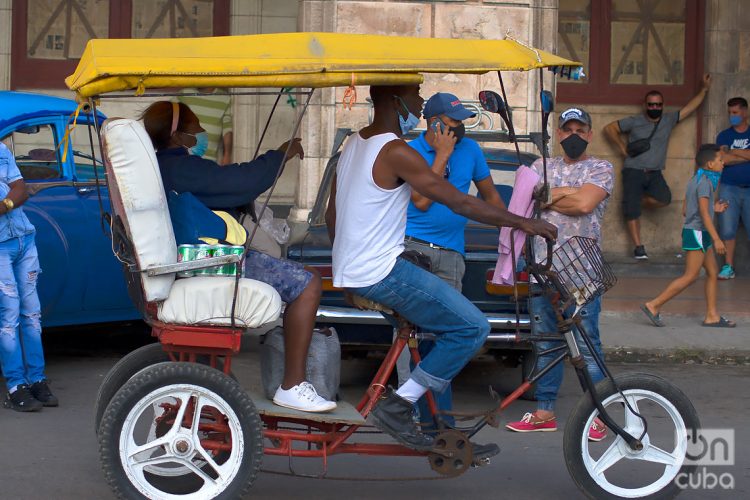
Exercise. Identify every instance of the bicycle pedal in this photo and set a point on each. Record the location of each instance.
(481, 462)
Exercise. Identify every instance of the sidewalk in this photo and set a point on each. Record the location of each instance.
(629, 336)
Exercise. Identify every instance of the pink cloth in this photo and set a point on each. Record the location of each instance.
(521, 203)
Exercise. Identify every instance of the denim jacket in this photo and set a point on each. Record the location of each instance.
(14, 224)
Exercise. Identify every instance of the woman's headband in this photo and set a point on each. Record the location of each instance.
(175, 117)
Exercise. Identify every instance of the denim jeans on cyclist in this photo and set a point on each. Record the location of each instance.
(544, 321)
(435, 306)
(20, 312)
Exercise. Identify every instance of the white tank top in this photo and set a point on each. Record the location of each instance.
(370, 220)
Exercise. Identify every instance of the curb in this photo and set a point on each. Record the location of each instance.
(678, 355)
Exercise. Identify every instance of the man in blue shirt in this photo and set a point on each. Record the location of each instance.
(432, 228)
(20, 311)
(734, 187)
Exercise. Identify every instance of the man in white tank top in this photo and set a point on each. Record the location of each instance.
(366, 220)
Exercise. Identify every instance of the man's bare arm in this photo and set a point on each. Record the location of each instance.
(735, 156)
(697, 100)
(410, 166)
(489, 193)
(18, 194)
(614, 134)
(582, 201)
(331, 211)
(438, 166)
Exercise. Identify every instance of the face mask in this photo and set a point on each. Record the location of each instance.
(735, 120)
(653, 113)
(201, 144)
(459, 131)
(411, 121)
(574, 146)
(712, 176)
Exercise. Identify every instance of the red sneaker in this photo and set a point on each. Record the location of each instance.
(531, 423)
(597, 431)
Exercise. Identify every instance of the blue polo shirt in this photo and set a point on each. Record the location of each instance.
(439, 224)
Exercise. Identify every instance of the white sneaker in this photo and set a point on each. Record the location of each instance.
(302, 397)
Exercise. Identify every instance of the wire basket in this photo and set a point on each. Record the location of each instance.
(579, 271)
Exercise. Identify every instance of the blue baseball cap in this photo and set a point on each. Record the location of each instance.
(446, 104)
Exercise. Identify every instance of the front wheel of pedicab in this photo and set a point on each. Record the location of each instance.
(610, 468)
(180, 429)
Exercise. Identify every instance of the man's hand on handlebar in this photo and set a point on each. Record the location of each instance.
(537, 227)
(293, 148)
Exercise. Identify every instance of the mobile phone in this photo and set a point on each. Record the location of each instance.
(437, 124)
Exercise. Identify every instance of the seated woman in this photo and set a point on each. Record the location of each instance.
(179, 140)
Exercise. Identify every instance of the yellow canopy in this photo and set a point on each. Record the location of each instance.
(291, 60)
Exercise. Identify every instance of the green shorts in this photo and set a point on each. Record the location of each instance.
(693, 239)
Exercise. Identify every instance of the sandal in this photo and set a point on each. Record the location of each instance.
(722, 323)
(654, 318)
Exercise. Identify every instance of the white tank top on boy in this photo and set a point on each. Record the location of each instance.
(370, 220)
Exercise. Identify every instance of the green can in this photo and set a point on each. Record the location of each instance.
(203, 251)
(237, 250)
(185, 253)
(226, 269)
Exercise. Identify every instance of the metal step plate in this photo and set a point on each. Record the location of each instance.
(344, 413)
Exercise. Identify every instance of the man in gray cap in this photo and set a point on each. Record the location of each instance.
(580, 186)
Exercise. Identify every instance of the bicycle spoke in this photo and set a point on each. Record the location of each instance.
(610, 457)
(657, 455)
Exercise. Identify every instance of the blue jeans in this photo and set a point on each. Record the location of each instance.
(544, 321)
(433, 305)
(739, 207)
(19, 306)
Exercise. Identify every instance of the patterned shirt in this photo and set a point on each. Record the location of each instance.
(560, 174)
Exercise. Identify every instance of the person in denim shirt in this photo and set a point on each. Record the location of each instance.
(23, 367)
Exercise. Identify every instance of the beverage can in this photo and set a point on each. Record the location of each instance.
(226, 269)
(203, 251)
(185, 253)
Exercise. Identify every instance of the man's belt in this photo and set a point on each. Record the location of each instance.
(427, 243)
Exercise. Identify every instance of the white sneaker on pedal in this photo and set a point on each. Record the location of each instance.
(302, 397)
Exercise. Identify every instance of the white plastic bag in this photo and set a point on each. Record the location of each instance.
(277, 228)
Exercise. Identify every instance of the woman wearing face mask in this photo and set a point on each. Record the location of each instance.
(177, 136)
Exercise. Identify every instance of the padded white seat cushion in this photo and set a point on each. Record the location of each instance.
(207, 300)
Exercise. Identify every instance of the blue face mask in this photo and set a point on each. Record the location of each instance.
(201, 144)
(735, 120)
(411, 121)
(710, 174)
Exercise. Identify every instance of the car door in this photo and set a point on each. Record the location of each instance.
(105, 295)
(75, 286)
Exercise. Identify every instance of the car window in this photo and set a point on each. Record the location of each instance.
(81, 146)
(35, 151)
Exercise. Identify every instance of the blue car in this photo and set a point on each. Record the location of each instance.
(81, 280)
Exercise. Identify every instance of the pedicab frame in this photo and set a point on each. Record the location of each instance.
(123, 68)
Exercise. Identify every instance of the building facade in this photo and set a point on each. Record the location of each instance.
(627, 47)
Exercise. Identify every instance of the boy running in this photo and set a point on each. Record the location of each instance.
(699, 238)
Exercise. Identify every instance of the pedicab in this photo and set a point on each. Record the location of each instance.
(171, 420)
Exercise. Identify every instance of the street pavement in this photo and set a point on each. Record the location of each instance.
(53, 454)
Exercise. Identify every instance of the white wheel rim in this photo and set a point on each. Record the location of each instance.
(180, 446)
(618, 450)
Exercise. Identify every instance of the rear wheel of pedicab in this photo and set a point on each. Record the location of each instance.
(609, 468)
(126, 368)
(180, 429)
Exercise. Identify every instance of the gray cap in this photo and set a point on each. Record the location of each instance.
(576, 114)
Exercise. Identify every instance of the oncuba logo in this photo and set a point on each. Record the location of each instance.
(708, 447)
